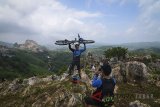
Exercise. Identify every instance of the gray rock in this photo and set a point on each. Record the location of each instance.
(137, 104)
(114, 60)
(116, 74)
(136, 71)
(63, 77)
(73, 101)
(158, 83)
(48, 78)
(31, 81)
(14, 85)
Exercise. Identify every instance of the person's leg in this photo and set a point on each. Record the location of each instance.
(71, 68)
(78, 68)
(89, 102)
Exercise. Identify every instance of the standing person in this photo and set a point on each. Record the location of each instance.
(76, 58)
(104, 94)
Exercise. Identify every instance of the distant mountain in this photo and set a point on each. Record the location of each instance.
(10, 45)
(140, 45)
(31, 46)
(148, 50)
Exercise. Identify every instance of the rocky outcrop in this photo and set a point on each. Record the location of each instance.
(43, 92)
(130, 71)
(48, 78)
(136, 71)
(63, 77)
(14, 86)
(74, 100)
(35, 80)
(117, 74)
(85, 77)
(30, 45)
(137, 104)
(154, 66)
(32, 81)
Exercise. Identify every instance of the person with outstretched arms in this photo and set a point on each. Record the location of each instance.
(76, 58)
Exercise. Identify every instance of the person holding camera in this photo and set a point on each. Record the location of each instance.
(104, 84)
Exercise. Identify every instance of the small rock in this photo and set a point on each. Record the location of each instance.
(73, 101)
(63, 77)
(32, 81)
(48, 78)
(14, 85)
(158, 83)
(157, 101)
(137, 104)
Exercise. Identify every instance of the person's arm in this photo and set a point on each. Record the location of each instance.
(96, 82)
(82, 50)
(71, 48)
(114, 80)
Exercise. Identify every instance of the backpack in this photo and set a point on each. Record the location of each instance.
(105, 93)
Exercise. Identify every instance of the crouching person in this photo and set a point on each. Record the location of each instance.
(104, 94)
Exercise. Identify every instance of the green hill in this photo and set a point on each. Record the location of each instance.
(21, 64)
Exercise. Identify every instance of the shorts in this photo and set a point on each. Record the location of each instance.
(91, 101)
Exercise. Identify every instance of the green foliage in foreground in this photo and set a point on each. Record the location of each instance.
(131, 93)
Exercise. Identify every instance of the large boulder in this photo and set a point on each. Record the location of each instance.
(136, 71)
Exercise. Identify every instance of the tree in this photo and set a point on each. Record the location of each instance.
(15, 45)
(118, 52)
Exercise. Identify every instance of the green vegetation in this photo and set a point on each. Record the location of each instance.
(136, 92)
(24, 64)
(118, 52)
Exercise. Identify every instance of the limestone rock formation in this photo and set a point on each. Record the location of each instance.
(136, 71)
(30, 45)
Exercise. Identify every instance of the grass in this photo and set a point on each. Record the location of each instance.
(147, 89)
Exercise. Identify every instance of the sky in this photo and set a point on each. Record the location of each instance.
(105, 21)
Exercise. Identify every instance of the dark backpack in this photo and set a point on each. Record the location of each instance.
(105, 93)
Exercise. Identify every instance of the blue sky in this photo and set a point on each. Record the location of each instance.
(114, 14)
(105, 21)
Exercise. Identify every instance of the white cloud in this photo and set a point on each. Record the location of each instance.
(110, 2)
(147, 24)
(48, 18)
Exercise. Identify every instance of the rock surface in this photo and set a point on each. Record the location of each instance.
(138, 104)
(14, 85)
(32, 81)
(116, 74)
(30, 45)
(136, 71)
